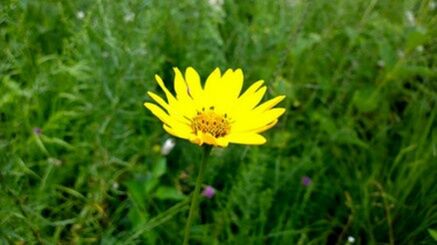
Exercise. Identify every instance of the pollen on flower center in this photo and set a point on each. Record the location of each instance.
(211, 122)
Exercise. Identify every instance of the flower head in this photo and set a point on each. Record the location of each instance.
(306, 181)
(37, 131)
(215, 114)
(208, 192)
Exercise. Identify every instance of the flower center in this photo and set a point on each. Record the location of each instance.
(211, 122)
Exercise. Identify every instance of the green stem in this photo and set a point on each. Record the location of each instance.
(195, 198)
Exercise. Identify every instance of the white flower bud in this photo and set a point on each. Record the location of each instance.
(168, 146)
(80, 15)
(410, 17)
(129, 17)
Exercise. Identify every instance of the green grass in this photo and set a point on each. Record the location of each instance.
(360, 79)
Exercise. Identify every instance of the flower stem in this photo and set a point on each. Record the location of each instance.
(195, 198)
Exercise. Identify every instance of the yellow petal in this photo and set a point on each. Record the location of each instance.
(183, 107)
(170, 98)
(158, 100)
(252, 89)
(159, 113)
(272, 114)
(232, 82)
(270, 103)
(177, 133)
(209, 139)
(253, 121)
(193, 83)
(266, 127)
(247, 138)
(222, 142)
(197, 139)
(213, 81)
(180, 85)
(213, 89)
(176, 123)
(249, 101)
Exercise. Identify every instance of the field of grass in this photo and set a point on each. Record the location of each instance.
(353, 158)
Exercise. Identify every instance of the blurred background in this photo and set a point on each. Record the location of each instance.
(353, 160)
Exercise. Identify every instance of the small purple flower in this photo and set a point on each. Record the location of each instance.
(37, 131)
(306, 181)
(208, 192)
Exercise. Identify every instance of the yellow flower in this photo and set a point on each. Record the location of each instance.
(215, 114)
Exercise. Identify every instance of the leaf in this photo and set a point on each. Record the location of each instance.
(71, 191)
(169, 193)
(160, 168)
(26, 169)
(136, 216)
(418, 36)
(150, 185)
(136, 193)
(366, 100)
(159, 220)
(433, 234)
(56, 141)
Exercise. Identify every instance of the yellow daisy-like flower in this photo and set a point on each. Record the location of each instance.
(215, 114)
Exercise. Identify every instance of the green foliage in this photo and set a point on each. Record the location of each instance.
(360, 81)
